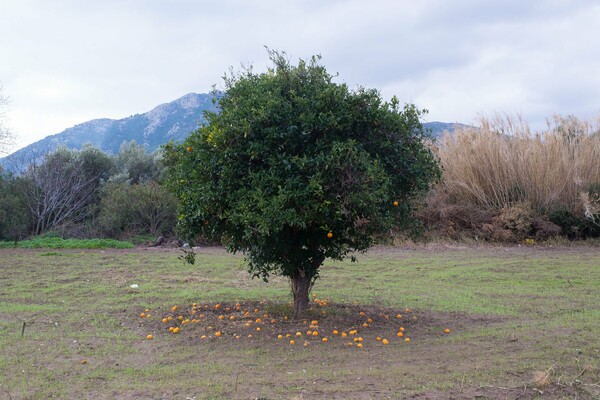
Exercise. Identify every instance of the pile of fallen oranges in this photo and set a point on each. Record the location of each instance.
(236, 321)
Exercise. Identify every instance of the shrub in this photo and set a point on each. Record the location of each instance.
(137, 209)
(15, 220)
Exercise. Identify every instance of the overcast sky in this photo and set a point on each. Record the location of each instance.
(65, 62)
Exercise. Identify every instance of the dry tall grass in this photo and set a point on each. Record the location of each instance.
(503, 163)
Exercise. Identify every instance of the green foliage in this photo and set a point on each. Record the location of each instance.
(292, 156)
(134, 164)
(137, 209)
(51, 242)
(573, 225)
(15, 220)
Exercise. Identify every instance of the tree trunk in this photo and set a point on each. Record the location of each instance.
(300, 288)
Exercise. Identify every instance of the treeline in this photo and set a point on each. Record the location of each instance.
(501, 183)
(88, 194)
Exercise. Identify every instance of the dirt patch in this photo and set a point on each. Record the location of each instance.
(265, 320)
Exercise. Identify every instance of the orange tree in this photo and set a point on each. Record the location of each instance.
(295, 168)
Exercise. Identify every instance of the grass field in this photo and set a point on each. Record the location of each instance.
(524, 323)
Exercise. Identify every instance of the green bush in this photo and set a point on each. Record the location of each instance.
(574, 226)
(141, 209)
(15, 218)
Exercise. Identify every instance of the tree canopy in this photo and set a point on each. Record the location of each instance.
(295, 168)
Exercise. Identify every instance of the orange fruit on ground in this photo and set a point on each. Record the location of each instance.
(280, 337)
(329, 235)
(169, 318)
(384, 341)
(250, 335)
(174, 308)
(446, 330)
(288, 334)
(164, 320)
(258, 320)
(401, 329)
(218, 334)
(362, 313)
(142, 315)
(407, 340)
(149, 337)
(298, 333)
(314, 322)
(83, 361)
(231, 318)
(378, 339)
(344, 334)
(247, 324)
(273, 321)
(203, 337)
(221, 317)
(315, 333)
(176, 330)
(399, 334)
(407, 310)
(324, 339)
(365, 325)
(335, 332)
(258, 328)
(309, 333)
(359, 345)
(217, 306)
(399, 316)
(292, 341)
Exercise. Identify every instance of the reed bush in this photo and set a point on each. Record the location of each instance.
(503, 167)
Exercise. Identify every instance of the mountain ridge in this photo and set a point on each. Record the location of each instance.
(174, 120)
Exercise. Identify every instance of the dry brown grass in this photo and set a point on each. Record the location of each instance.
(503, 163)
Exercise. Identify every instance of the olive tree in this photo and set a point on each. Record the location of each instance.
(295, 168)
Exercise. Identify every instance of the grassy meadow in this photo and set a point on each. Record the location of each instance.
(523, 323)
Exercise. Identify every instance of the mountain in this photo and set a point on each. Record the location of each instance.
(170, 121)
(437, 129)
